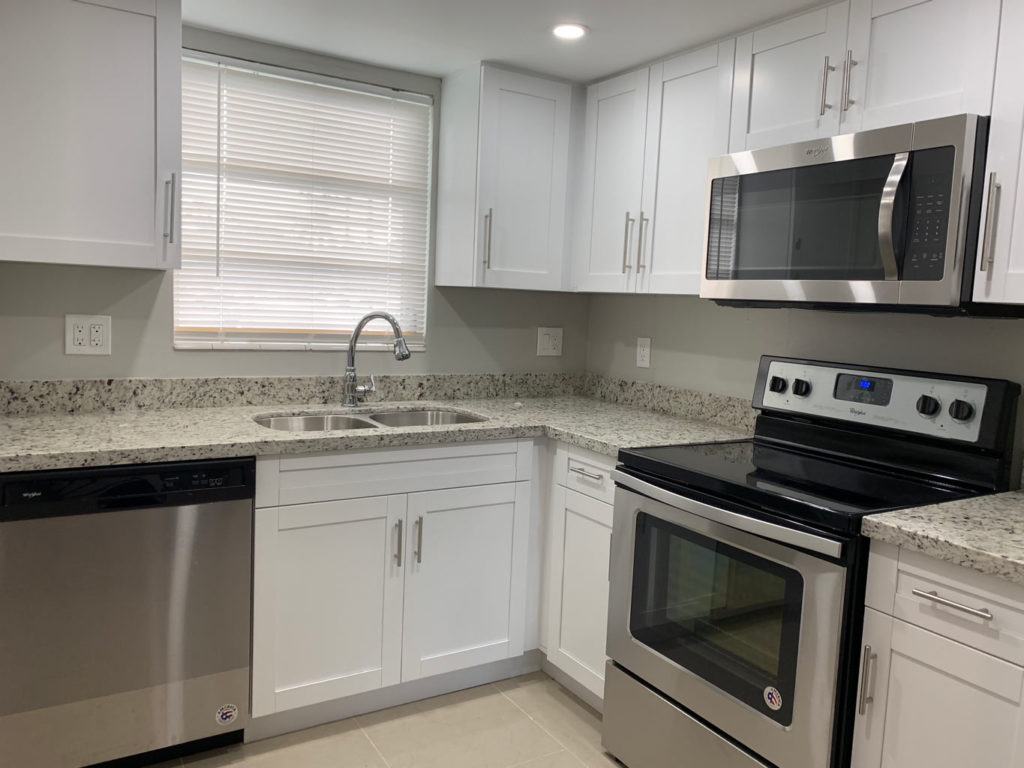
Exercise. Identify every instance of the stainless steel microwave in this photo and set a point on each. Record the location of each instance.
(884, 217)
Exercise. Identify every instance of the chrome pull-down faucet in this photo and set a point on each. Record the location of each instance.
(354, 393)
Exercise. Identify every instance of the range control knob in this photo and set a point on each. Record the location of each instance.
(961, 410)
(778, 384)
(928, 406)
(801, 388)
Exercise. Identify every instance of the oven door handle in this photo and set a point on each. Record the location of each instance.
(886, 211)
(762, 528)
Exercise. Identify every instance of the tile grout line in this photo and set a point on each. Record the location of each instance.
(374, 745)
(536, 722)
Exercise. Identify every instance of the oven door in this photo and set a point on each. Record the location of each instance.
(738, 626)
(867, 218)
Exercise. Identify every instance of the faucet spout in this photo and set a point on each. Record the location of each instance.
(401, 350)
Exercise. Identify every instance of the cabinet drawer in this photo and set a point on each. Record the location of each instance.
(587, 473)
(325, 477)
(979, 611)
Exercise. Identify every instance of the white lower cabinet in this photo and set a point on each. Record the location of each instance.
(579, 543)
(926, 699)
(355, 594)
(465, 578)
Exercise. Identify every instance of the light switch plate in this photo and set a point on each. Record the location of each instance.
(549, 342)
(87, 334)
(643, 353)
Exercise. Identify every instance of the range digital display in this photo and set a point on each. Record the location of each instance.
(863, 389)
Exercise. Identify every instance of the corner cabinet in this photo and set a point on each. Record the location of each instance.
(649, 136)
(939, 686)
(90, 140)
(382, 567)
(503, 176)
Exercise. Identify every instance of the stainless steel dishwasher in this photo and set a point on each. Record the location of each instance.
(125, 608)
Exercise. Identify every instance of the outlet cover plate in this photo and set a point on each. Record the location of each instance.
(87, 334)
(549, 342)
(643, 353)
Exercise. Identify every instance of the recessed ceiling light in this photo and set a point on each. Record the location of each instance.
(569, 31)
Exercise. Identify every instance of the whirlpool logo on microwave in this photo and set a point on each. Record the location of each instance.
(816, 152)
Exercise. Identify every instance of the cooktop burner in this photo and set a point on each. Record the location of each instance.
(799, 485)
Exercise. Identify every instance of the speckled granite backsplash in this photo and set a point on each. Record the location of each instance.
(23, 398)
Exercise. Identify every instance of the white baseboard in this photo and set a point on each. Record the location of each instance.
(371, 701)
(578, 690)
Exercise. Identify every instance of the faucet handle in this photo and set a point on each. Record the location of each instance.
(363, 390)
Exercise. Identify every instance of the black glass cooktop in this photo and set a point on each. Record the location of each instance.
(768, 480)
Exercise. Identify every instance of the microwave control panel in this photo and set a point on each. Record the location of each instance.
(928, 215)
(935, 407)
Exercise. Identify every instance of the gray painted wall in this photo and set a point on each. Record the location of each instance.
(699, 345)
(468, 331)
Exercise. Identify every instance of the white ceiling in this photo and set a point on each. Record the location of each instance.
(435, 37)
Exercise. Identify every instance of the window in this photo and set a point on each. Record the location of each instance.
(305, 204)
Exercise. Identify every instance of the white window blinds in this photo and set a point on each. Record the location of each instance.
(304, 206)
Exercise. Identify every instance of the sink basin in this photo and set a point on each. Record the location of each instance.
(319, 422)
(424, 418)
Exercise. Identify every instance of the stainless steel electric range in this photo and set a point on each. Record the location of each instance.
(737, 569)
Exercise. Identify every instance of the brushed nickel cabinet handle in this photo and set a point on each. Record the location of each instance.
(824, 87)
(488, 226)
(995, 192)
(867, 666)
(398, 549)
(847, 75)
(590, 475)
(419, 540)
(981, 613)
(640, 242)
(626, 266)
(170, 206)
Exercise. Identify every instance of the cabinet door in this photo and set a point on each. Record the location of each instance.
(465, 584)
(327, 601)
(918, 60)
(90, 141)
(950, 705)
(999, 269)
(612, 184)
(524, 165)
(789, 80)
(872, 690)
(687, 124)
(581, 534)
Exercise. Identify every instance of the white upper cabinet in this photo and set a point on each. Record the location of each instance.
(612, 184)
(90, 138)
(912, 60)
(999, 270)
(788, 81)
(688, 111)
(504, 165)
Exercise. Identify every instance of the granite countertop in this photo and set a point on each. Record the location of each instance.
(984, 533)
(53, 441)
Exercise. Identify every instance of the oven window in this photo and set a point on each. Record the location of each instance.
(816, 222)
(723, 613)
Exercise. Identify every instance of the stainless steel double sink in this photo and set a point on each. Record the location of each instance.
(326, 422)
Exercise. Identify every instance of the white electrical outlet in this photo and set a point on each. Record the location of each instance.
(549, 342)
(643, 353)
(87, 334)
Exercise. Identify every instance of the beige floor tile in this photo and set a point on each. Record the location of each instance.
(337, 745)
(561, 759)
(476, 728)
(572, 723)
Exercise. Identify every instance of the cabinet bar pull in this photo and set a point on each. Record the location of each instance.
(170, 190)
(640, 242)
(625, 244)
(584, 472)
(847, 74)
(398, 549)
(488, 225)
(867, 665)
(824, 87)
(981, 613)
(995, 192)
(419, 540)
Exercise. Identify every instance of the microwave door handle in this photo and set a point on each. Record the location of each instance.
(886, 211)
